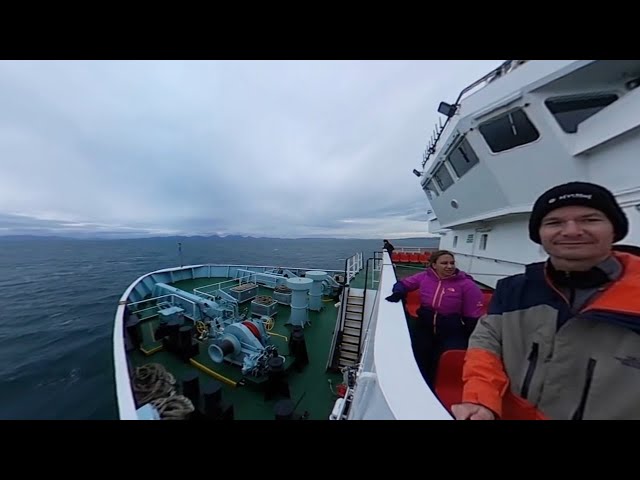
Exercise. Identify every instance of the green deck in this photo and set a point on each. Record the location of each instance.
(312, 387)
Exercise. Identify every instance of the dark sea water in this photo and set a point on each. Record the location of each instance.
(59, 296)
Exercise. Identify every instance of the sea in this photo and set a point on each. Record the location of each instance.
(59, 296)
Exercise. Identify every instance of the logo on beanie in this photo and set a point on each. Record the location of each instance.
(567, 196)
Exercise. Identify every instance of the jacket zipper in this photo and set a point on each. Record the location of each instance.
(435, 295)
(533, 360)
(552, 286)
(433, 305)
(579, 413)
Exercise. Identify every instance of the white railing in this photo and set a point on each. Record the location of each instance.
(171, 298)
(216, 286)
(353, 266)
(415, 249)
(376, 271)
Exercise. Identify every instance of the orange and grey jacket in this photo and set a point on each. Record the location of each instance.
(530, 349)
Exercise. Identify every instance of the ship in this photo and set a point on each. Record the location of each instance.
(270, 342)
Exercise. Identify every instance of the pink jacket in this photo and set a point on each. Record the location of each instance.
(455, 295)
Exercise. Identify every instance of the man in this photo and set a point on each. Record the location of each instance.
(562, 340)
(388, 247)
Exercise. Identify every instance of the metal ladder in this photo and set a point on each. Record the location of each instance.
(349, 346)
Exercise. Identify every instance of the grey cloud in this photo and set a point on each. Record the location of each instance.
(284, 148)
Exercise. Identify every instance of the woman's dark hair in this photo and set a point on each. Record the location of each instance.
(436, 255)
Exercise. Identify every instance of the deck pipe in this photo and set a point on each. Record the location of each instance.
(299, 300)
(184, 338)
(191, 387)
(276, 385)
(186, 345)
(169, 332)
(214, 407)
(298, 348)
(315, 292)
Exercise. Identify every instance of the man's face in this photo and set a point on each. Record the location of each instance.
(576, 233)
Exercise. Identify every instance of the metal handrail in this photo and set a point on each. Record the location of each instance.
(364, 298)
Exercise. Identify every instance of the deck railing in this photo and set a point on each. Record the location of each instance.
(171, 298)
(415, 249)
(204, 290)
(352, 266)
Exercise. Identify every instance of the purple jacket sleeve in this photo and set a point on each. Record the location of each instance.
(410, 283)
(472, 301)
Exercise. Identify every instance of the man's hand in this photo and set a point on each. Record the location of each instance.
(471, 411)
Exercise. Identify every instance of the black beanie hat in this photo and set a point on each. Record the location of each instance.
(583, 194)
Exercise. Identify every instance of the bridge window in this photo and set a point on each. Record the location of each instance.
(508, 131)
(462, 158)
(431, 190)
(570, 112)
(443, 177)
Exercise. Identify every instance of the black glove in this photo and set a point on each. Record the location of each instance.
(395, 297)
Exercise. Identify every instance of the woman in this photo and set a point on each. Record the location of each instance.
(450, 305)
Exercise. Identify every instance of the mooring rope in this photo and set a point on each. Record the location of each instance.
(152, 381)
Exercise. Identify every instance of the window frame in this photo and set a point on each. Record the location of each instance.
(505, 114)
(576, 98)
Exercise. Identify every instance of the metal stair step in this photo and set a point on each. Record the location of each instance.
(353, 323)
(348, 347)
(355, 332)
(350, 339)
(346, 355)
(343, 362)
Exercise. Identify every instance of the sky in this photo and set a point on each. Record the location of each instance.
(263, 148)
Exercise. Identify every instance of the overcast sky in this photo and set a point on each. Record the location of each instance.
(266, 148)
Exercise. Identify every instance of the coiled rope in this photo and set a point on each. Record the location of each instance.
(152, 381)
(153, 384)
(175, 407)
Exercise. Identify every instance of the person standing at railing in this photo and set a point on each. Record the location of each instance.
(562, 340)
(450, 305)
(388, 247)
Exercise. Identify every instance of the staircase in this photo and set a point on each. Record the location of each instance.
(349, 346)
